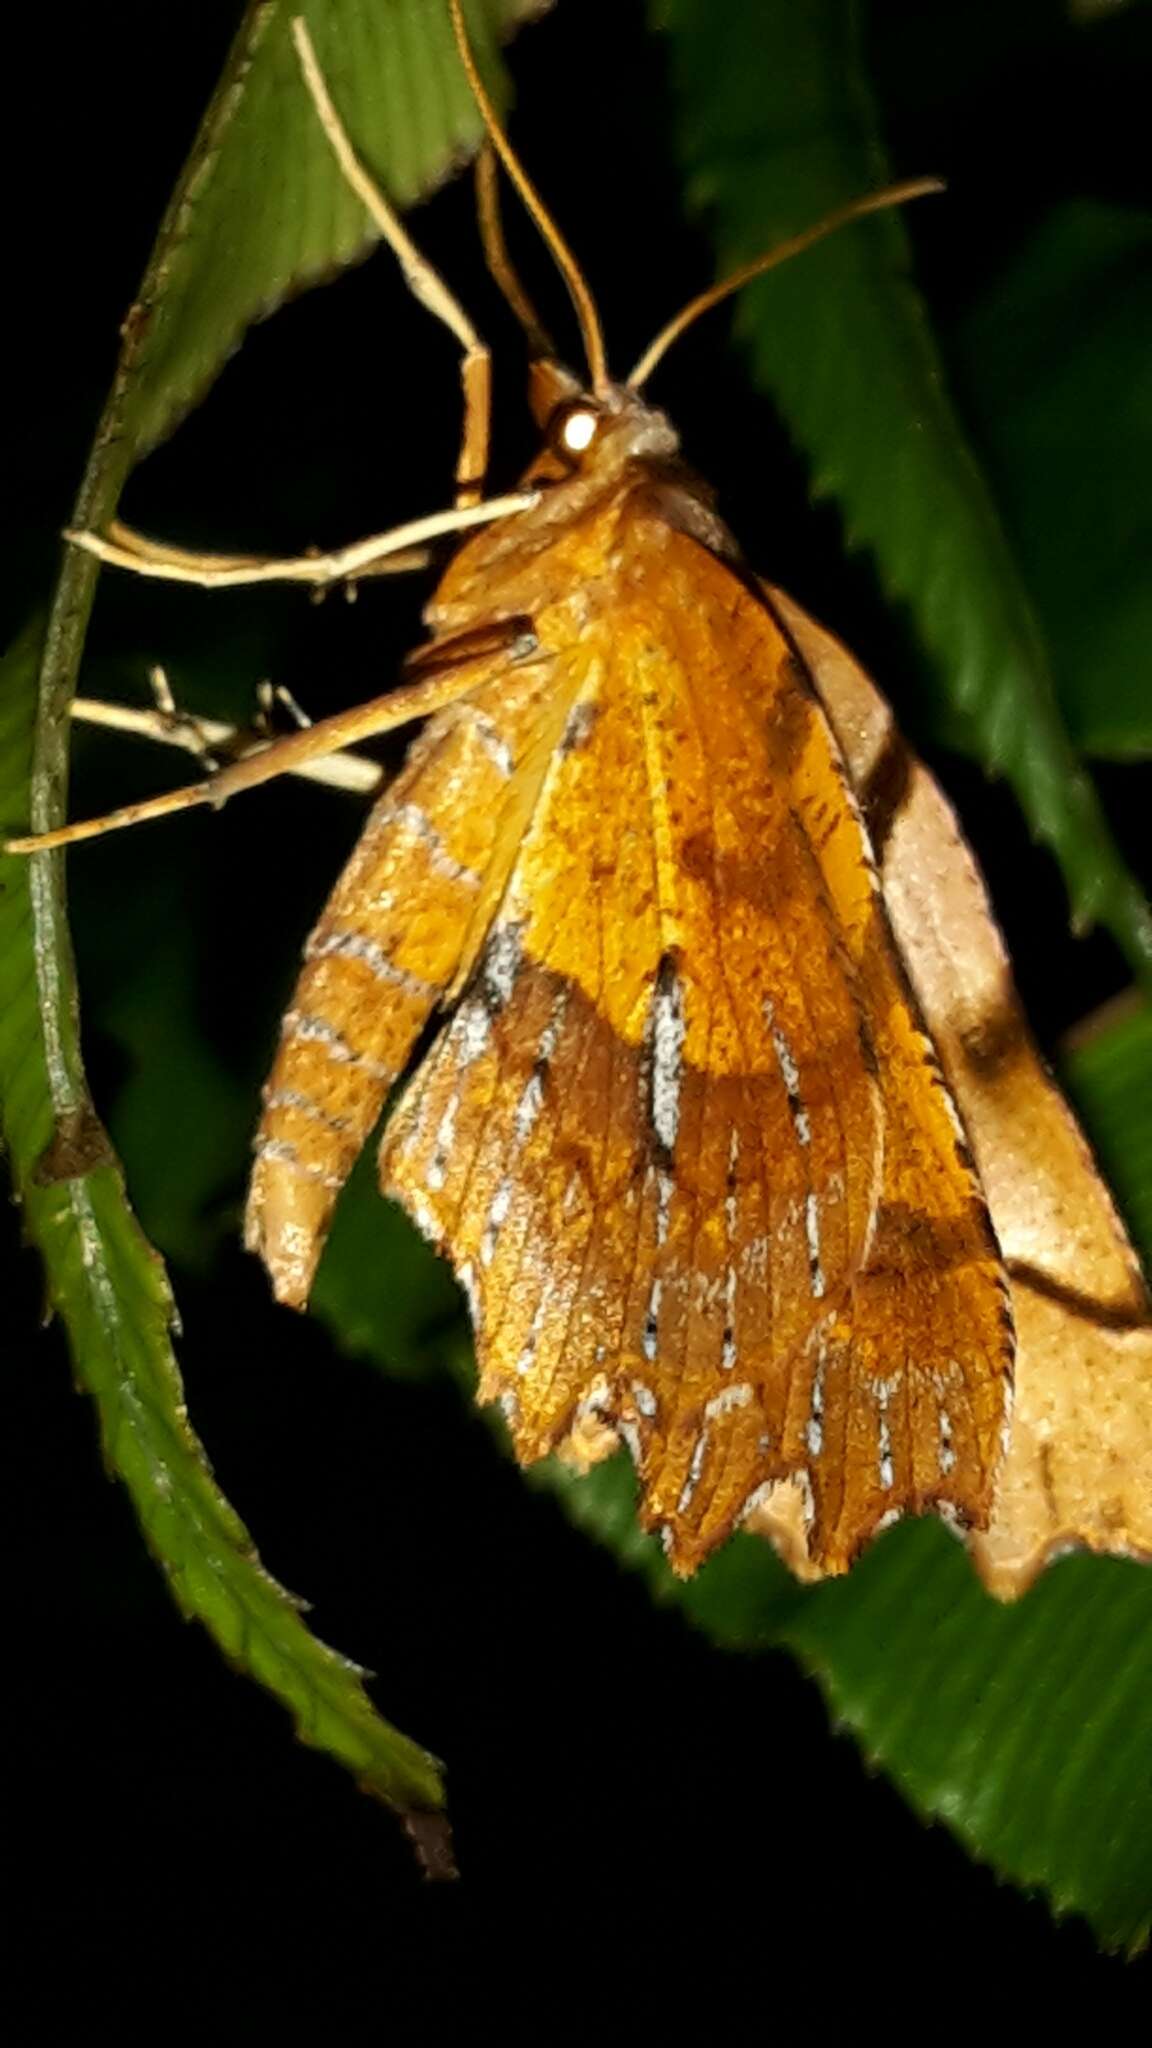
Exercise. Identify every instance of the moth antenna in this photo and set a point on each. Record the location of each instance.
(422, 280)
(500, 264)
(591, 331)
(872, 202)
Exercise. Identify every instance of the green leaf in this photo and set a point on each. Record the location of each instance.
(774, 131)
(1057, 362)
(260, 211)
(109, 1289)
(1026, 1728)
(893, 1634)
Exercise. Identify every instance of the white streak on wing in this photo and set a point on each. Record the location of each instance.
(528, 1353)
(762, 1494)
(294, 1098)
(550, 1036)
(502, 957)
(954, 1117)
(790, 1075)
(423, 1216)
(730, 1199)
(947, 1453)
(532, 1099)
(467, 1279)
(668, 1030)
(282, 1152)
(728, 1350)
(630, 1435)
(730, 1397)
(351, 945)
(488, 734)
(582, 716)
(648, 1340)
(1009, 1411)
(528, 1108)
(317, 1030)
(439, 859)
(757, 1498)
(498, 1210)
(472, 1032)
(814, 1432)
(442, 1145)
(596, 1400)
(699, 1453)
(812, 1228)
(883, 1433)
(644, 1398)
(665, 1188)
(754, 1259)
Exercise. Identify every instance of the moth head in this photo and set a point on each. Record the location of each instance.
(573, 429)
(584, 430)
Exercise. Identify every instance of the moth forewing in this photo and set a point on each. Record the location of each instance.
(1078, 1464)
(719, 992)
(683, 1137)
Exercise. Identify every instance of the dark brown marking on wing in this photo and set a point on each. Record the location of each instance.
(884, 791)
(1105, 1315)
(994, 1041)
(500, 636)
(939, 1243)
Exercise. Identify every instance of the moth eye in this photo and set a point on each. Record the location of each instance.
(574, 430)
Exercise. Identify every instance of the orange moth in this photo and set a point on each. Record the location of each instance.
(731, 1125)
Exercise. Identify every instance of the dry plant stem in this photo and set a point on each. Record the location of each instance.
(196, 735)
(125, 549)
(283, 757)
(422, 280)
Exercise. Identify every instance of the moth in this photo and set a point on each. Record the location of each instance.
(731, 1125)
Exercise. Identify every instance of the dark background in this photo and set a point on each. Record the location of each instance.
(643, 1824)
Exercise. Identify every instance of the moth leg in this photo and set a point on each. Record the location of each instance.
(443, 673)
(401, 546)
(214, 742)
(180, 728)
(499, 262)
(422, 280)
